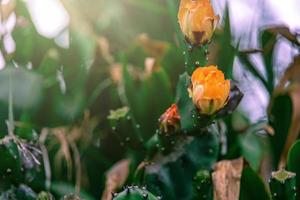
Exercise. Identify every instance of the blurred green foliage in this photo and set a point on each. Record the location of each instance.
(129, 54)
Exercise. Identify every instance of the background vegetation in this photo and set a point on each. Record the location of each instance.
(56, 96)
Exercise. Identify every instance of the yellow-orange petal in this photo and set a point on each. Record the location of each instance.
(197, 20)
(209, 90)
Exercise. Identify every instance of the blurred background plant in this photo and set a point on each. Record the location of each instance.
(71, 62)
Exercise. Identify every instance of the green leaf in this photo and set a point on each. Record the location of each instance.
(227, 52)
(173, 10)
(130, 96)
(30, 45)
(268, 41)
(253, 145)
(49, 66)
(85, 46)
(155, 92)
(23, 35)
(72, 105)
(252, 186)
(293, 163)
(245, 60)
(280, 119)
(251, 149)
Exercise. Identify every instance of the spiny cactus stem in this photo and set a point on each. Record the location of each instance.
(283, 185)
(137, 130)
(134, 193)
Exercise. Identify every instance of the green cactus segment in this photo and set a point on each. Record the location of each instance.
(280, 119)
(252, 186)
(161, 143)
(71, 197)
(196, 57)
(172, 175)
(147, 97)
(134, 193)
(283, 185)
(191, 121)
(124, 126)
(45, 196)
(293, 164)
(10, 167)
(202, 185)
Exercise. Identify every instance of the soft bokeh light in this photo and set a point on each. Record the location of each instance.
(49, 16)
(247, 18)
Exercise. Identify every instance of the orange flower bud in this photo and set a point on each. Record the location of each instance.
(197, 21)
(209, 89)
(170, 120)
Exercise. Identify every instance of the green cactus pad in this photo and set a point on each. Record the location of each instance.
(71, 197)
(45, 196)
(135, 193)
(202, 185)
(283, 185)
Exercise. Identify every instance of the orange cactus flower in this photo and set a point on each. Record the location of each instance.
(170, 120)
(209, 90)
(197, 21)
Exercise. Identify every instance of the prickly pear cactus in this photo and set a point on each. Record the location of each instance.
(202, 185)
(283, 185)
(135, 193)
(168, 173)
(71, 197)
(161, 143)
(45, 196)
(125, 127)
(10, 161)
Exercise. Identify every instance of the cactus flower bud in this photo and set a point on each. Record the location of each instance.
(170, 120)
(209, 90)
(197, 21)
